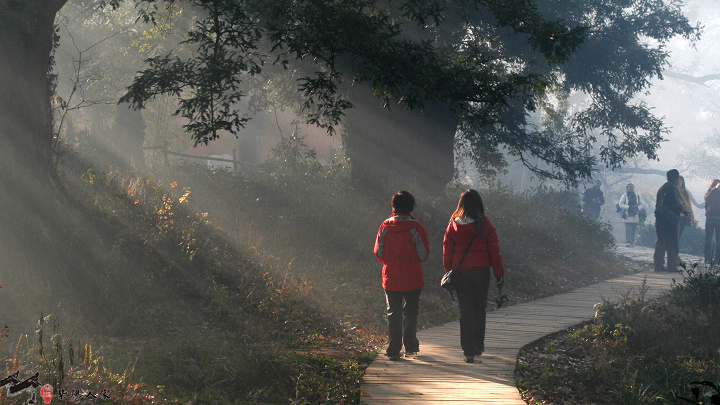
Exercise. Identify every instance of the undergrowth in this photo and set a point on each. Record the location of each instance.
(635, 351)
(261, 287)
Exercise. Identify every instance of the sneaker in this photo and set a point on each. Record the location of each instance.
(469, 359)
(410, 354)
(394, 357)
(627, 245)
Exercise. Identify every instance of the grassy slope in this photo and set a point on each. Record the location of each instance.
(264, 288)
(634, 352)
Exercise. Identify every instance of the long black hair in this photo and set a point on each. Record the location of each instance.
(471, 205)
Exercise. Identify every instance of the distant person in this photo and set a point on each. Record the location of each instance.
(668, 208)
(470, 231)
(593, 199)
(631, 203)
(401, 246)
(712, 222)
(687, 217)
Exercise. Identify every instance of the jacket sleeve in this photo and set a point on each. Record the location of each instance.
(420, 239)
(379, 240)
(494, 250)
(623, 203)
(448, 248)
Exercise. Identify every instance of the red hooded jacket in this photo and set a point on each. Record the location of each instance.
(401, 245)
(484, 251)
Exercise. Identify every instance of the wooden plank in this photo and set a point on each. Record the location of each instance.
(438, 373)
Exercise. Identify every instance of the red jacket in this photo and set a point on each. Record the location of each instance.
(401, 245)
(484, 251)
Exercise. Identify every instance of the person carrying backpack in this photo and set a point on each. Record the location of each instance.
(631, 203)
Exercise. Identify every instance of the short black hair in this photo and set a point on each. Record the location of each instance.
(673, 174)
(403, 202)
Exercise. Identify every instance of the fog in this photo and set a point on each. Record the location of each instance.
(96, 61)
(691, 109)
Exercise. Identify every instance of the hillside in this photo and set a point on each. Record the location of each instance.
(209, 285)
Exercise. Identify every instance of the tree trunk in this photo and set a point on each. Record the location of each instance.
(399, 149)
(34, 227)
(26, 41)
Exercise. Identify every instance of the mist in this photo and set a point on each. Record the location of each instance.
(249, 248)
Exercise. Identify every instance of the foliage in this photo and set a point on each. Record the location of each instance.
(698, 299)
(267, 278)
(692, 241)
(704, 392)
(410, 69)
(634, 351)
(74, 366)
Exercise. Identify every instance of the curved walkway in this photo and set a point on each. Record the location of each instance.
(439, 374)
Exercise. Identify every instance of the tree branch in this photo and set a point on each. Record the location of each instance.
(693, 79)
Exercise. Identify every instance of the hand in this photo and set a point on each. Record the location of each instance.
(499, 281)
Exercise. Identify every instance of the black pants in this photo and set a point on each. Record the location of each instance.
(472, 295)
(667, 241)
(402, 320)
(712, 228)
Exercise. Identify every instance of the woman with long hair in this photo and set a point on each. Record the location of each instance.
(471, 246)
(712, 222)
(687, 218)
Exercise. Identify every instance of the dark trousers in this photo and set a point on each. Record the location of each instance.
(630, 232)
(667, 241)
(592, 211)
(472, 293)
(402, 320)
(712, 228)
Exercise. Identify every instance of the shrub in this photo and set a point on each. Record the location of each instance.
(692, 241)
(698, 300)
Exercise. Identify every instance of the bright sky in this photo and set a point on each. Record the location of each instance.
(692, 111)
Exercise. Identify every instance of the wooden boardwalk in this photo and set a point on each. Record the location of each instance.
(439, 374)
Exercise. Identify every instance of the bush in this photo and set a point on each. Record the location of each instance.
(692, 241)
(633, 352)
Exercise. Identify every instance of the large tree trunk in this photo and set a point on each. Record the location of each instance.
(399, 149)
(34, 226)
(26, 40)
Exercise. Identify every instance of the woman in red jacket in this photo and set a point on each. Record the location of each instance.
(401, 246)
(469, 224)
